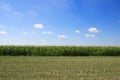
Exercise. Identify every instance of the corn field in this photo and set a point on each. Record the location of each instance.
(58, 51)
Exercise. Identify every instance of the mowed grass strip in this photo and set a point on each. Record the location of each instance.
(59, 68)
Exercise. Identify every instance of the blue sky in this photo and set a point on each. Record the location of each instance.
(60, 22)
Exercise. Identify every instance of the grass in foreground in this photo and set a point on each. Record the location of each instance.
(59, 68)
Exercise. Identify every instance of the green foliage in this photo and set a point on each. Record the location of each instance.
(58, 51)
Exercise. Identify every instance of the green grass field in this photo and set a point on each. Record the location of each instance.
(59, 68)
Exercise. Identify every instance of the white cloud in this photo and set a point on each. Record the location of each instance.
(47, 32)
(39, 26)
(25, 33)
(93, 35)
(93, 30)
(24, 40)
(90, 35)
(3, 33)
(43, 40)
(44, 32)
(77, 31)
(87, 35)
(62, 36)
